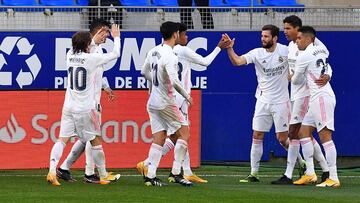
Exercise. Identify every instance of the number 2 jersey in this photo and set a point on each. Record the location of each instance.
(313, 62)
(81, 92)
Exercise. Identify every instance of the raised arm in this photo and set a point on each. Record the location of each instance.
(100, 59)
(198, 59)
(234, 58)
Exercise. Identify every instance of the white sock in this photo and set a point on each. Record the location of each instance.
(155, 153)
(255, 155)
(331, 155)
(308, 152)
(179, 154)
(319, 157)
(286, 147)
(99, 160)
(168, 145)
(89, 160)
(293, 151)
(146, 162)
(55, 155)
(76, 151)
(186, 164)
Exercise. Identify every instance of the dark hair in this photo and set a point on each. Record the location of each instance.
(182, 27)
(293, 20)
(98, 23)
(80, 41)
(308, 30)
(273, 29)
(168, 28)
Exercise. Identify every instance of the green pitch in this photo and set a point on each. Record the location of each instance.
(223, 186)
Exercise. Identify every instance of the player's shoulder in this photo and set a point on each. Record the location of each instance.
(282, 49)
(154, 49)
(307, 54)
(257, 51)
(182, 50)
(292, 45)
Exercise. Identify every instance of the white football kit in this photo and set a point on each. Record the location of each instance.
(300, 94)
(187, 57)
(160, 68)
(311, 64)
(80, 115)
(272, 94)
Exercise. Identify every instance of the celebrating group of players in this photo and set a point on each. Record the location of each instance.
(167, 67)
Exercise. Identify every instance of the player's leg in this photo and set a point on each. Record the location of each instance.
(292, 154)
(90, 175)
(282, 115)
(64, 171)
(307, 128)
(262, 122)
(67, 130)
(325, 126)
(186, 166)
(287, 136)
(320, 158)
(331, 155)
(168, 146)
(181, 148)
(173, 120)
(55, 156)
(88, 127)
(158, 130)
(255, 157)
(308, 152)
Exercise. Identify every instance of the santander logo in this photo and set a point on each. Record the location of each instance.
(12, 132)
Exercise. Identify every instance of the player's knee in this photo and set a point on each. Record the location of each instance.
(96, 141)
(258, 135)
(293, 134)
(283, 139)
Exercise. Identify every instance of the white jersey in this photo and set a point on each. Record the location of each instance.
(83, 76)
(300, 90)
(272, 72)
(101, 82)
(313, 62)
(187, 57)
(161, 65)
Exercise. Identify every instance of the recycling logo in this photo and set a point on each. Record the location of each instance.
(23, 77)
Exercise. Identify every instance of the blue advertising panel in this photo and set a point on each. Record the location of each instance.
(36, 60)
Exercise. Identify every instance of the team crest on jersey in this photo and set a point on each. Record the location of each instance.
(264, 61)
(297, 53)
(281, 59)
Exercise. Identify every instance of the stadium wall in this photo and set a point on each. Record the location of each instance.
(36, 60)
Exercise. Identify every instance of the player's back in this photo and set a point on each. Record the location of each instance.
(81, 83)
(162, 62)
(317, 58)
(184, 71)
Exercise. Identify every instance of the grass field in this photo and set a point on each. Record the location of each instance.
(223, 186)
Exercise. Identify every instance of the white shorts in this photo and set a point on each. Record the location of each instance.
(86, 126)
(321, 113)
(267, 114)
(169, 119)
(299, 108)
(184, 109)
